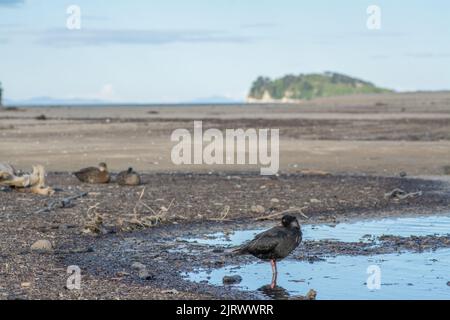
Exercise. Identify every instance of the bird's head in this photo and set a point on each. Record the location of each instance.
(102, 166)
(130, 170)
(289, 221)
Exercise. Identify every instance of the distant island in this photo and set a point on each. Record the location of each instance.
(1, 95)
(292, 88)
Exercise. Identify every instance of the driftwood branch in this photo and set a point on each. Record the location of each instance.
(63, 203)
(223, 215)
(33, 182)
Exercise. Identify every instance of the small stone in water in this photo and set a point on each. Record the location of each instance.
(231, 279)
(311, 295)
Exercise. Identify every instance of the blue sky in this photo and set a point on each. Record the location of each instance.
(178, 50)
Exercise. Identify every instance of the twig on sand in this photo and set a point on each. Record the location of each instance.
(142, 220)
(224, 214)
(170, 204)
(139, 201)
(278, 214)
(63, 203)
(149, 208)
(93, 223)
(95, 206)
(75, 250)
(399, 194)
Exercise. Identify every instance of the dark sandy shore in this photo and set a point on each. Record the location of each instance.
(195, 204)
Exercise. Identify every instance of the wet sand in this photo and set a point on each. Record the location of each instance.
(376, 134)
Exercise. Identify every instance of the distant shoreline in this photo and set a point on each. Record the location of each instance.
(9, 105)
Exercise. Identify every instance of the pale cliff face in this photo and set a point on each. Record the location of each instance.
(267, 98)
(303, 87)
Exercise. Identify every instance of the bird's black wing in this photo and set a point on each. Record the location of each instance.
(265, 242)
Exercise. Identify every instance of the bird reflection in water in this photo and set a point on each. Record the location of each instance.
(280, 293)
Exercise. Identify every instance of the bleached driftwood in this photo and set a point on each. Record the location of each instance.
(33, 182)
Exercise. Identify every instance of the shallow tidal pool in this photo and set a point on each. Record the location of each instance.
(408, 275)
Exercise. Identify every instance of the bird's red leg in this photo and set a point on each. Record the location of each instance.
(274, 274)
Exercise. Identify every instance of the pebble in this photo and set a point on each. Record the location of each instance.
(257, 209)
(138, 266)
(231, 279)
(145, 275)
(311, 295)
(171, 291)
(42, 245)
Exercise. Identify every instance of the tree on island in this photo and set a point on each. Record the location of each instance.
(309, 86)
(1, 95)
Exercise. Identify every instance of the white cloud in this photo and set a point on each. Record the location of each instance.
(106, 92)
(101, 37)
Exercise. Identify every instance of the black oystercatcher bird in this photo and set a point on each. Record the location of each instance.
(94, 175)
(274, 244)
(128, 178)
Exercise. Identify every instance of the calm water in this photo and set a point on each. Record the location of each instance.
(403, 276)
(346, 232)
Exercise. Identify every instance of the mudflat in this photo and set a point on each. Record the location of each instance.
(376, 134)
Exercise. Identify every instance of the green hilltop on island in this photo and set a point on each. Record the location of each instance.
(292, 88)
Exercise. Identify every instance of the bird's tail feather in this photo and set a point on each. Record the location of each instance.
(236, 251)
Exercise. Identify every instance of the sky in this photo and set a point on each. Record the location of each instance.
(180, 51)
